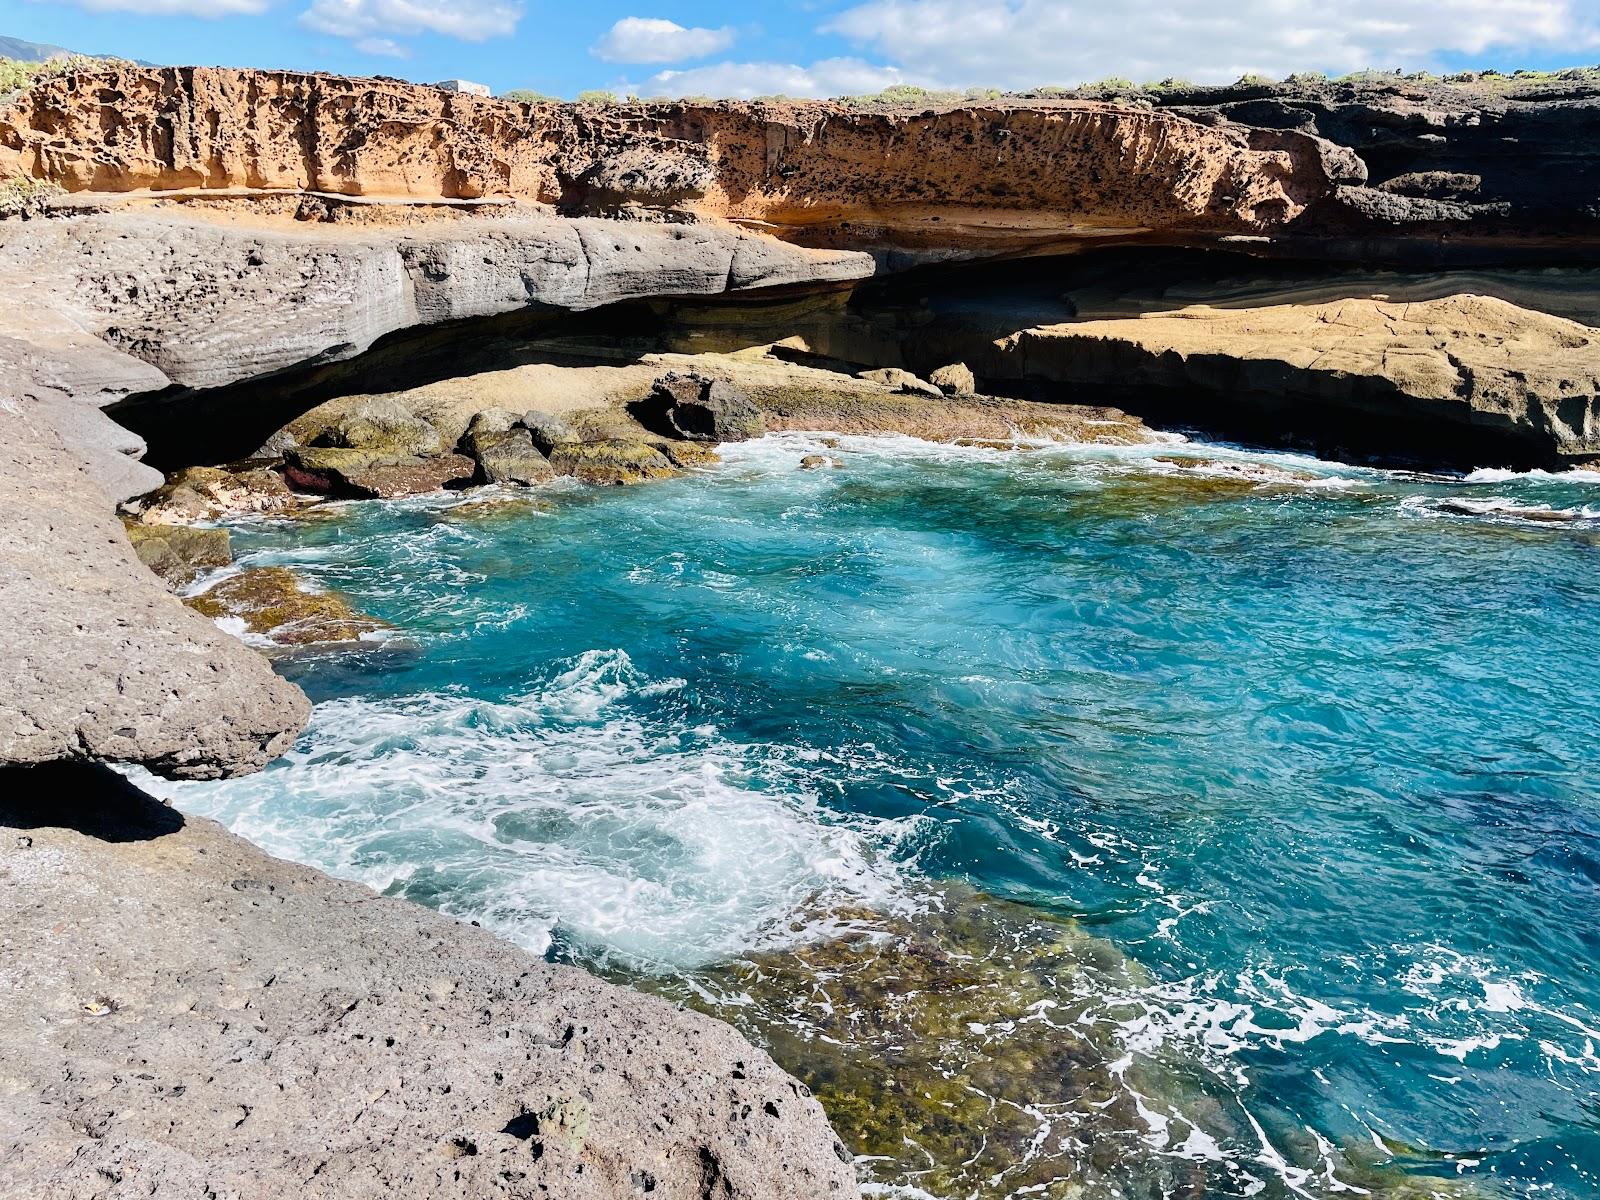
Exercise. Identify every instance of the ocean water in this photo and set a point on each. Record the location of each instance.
(1084, 821)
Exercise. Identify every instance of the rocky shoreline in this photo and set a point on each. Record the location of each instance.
(274, 286)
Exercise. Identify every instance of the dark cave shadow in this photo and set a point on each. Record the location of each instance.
(89, 798)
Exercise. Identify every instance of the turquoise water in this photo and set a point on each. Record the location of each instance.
(1312, 746)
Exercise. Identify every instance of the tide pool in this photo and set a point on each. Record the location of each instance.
(1271, 784)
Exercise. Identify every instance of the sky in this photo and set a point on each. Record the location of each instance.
(818, 47)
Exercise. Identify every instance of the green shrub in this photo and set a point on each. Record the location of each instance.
(22, 195)
(598, 97)
(16, 75)
(526, 96)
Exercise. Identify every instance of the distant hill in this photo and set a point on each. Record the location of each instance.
(29, 51)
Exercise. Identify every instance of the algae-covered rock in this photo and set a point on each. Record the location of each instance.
(611, 461)
(504, 451)
(178, 554)
(367, 475)
(273, 603)
(548, 431)
(385, 426)
(901, 381)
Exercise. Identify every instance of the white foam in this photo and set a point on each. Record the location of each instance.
(554, 812)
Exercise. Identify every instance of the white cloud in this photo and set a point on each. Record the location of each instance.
(1020, 43)
(469, 20)
(175, 8)
(383, 47)
(736, 80)
(652, 40)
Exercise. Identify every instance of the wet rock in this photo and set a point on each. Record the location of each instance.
(548, 431)
(271, 602)
(818, 462)
(900, 381)
(611, 461)
(211, 493)
(368, 475)
(504, 451)
(179, 554)
(955, 380)
(698, 409)
(383, 426)
(408, 477)
(685, 455)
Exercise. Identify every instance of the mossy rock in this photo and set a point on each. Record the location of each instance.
(179, 554)
(207, 493)
(383, 426)
(272, 603)
(611, 461)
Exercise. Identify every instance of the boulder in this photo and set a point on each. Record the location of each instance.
(384, 426)
(900, 381)
(611, 461)
(409, 477)
(694, 408)
(955, 380)
(818, 462)
(366, 475)
(503, 449)
(179, 554)
(548, 430)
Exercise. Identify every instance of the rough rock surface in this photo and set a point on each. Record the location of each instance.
(182, 1016)
(179, 554)
(1000, 174)
(273, 603)
(504, 450)
(99, 661)
(1462, 365)
(697, 409)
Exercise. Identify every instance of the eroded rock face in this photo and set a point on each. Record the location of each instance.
(1063, 170)
(293, 1035)
(102, 663)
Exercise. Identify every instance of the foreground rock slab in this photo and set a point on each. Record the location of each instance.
(99, 660)
(183, 1016)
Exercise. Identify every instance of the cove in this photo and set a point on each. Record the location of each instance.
(1253, 798)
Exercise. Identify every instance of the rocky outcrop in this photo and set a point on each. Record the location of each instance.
(1467, 368)
(988, 175)
(182, 1016)
(100, 661)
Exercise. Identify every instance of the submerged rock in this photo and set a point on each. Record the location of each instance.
(272, 603)
(817, 462)
(611, 461)
(179, 554)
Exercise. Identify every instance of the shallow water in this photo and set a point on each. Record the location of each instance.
(1291, 765)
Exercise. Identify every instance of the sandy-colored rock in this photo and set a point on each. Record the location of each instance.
(504, 450)
(182, 1016)
(273, 603)
(211, 493)
(100, 661)
(1464, 366)
(382, 427)
(954, 380)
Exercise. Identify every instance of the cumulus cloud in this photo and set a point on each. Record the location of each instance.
(1019, 43)
(375, 21)
(176, 8)
(383, 47)
(652, 40)
(742, 80)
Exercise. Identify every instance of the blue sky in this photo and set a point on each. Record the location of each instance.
(818, 47)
